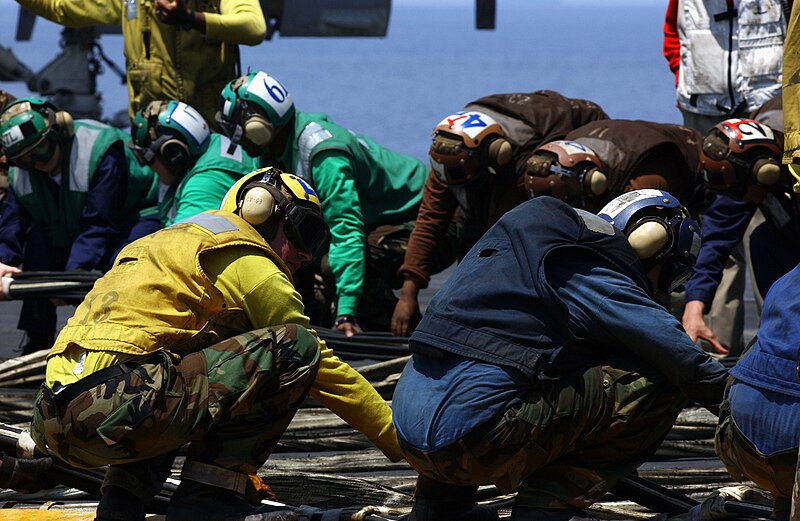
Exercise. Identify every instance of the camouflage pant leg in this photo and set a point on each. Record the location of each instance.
(569, 442)
(157, 406)
(774, 473)
(250, 415)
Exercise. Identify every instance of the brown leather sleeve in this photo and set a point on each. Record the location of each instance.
(435, 213)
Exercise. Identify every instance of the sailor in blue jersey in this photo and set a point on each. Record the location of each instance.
(545, 365)
(759, 424)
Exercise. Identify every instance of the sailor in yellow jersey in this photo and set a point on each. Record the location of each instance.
(197, 335)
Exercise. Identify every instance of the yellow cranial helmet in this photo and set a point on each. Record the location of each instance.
(264, 196)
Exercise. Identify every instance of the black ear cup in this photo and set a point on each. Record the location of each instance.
(175, 154)
(257, 205)
(258, 130)
(499, 152)
(648, 239)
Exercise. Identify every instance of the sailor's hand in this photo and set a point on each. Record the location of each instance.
(347, 324)
(6, 271)
(695, 326)
(406, 314)
(25, 475)
(172, 12)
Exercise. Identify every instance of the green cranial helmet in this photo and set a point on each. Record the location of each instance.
(172, 131)
(253, 107)
(26, 122)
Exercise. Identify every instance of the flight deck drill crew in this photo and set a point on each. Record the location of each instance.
(478, 158)
(77, 195)
(369, 194)
(561, 375)
(196, 167)
(174, 49)
(197, 336)
(601, 160)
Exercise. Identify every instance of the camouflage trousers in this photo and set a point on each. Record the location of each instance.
(568, 442)
(774, 473)
(231, 402)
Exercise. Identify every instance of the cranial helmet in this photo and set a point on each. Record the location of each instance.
(660, 231)
(566, 170)
(266, 195)
(27, 122)
(253, 107)
(172, 131)
(738, 153)
(466, 144)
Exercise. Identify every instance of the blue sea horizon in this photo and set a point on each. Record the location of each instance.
(433, 61)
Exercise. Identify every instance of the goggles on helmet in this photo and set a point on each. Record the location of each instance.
(41, 153)
(305, 228)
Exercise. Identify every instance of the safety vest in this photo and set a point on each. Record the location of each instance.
(730, 58)
(389, 184)
(157, 297)
(167, 62)
(498, 306)
(215, 160)
(83, 153)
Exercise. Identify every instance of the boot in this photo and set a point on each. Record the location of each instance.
(550, 514)
(117, 504)
(193, 501)
(433, 510)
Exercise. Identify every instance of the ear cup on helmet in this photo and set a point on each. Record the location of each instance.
(595, 182)
(257, 206)
(766, 171)
(175, 154)
(499, 152)
(66, 127)
(648, 239)
(258, 130)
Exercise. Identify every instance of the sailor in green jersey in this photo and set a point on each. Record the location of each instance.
(195, 166)
(77, 196)
(370, 195)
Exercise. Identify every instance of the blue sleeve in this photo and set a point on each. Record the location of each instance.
(608, 308)
(14, 222)
(724, 224)
(98, 219)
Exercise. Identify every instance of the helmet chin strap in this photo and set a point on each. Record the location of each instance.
(235, 138)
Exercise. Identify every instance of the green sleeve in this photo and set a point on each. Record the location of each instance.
(334, 179)
(203, 191)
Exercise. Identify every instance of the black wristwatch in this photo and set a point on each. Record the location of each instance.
(343, 319)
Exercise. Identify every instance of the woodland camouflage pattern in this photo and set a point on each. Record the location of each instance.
(232, 400)
(569, 441)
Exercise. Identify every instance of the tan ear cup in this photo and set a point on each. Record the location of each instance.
(66, 127)
(258, 205)
(258, 130)
(648, 239)
(766, 171)
(595, 182)
(499, 152)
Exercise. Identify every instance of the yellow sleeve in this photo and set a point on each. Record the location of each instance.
(77, 14)
(239, 22)
(791, 89)
(268, 298)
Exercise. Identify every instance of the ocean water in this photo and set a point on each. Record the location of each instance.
(433, 61)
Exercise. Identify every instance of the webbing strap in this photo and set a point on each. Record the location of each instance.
(215, 476)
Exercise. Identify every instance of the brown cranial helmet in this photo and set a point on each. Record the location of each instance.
(467, 144)
(738, 153)
(566, 170)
